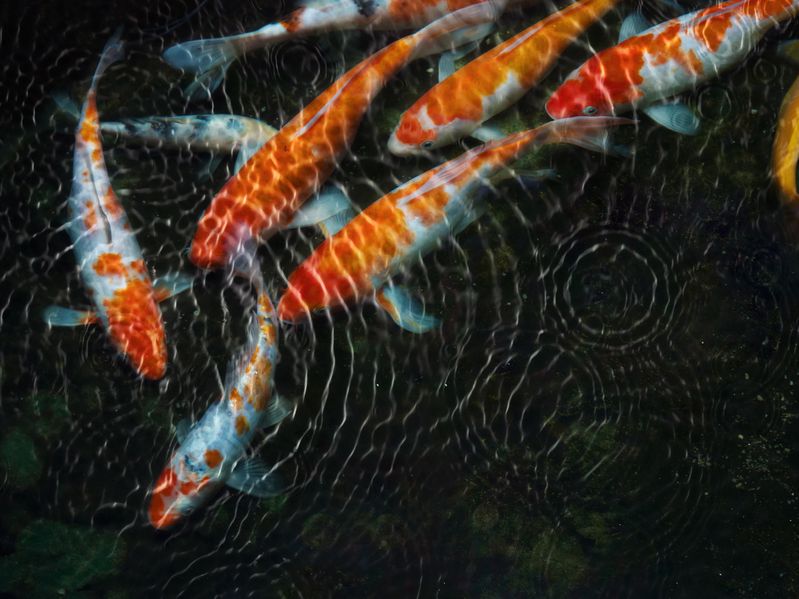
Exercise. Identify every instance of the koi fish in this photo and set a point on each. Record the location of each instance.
(108, 257)
(210, 58)
(359, 260)
(292, 166)
(204, 132)
(462, 101)
(212, 451)
(652, 64)
(786, 147)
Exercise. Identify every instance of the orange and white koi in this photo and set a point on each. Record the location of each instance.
(210, 58)
(358, 261)
(266, 192)
(785, 151)
(212, 452)
(462, 101)
(660, 62)
(108, 256)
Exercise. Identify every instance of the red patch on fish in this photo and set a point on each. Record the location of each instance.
(242, 426)
(134, 323)
(213, 457)
(110, 264)
(90, 216)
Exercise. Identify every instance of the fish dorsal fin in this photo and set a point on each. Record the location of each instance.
(254, 477)
(633, 24)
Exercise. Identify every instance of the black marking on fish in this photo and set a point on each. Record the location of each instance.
(157, 125)
(365, 7)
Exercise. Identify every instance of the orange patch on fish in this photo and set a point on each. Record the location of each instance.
(242, 426)
(109, 264)
(90, 216)
(139, 266)
(236, 401)
(213, 457)
(134, 323)
(111, 204)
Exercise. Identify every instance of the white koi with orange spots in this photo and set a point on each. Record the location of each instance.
(212, 453)
(210, 58)
(108, 256)
(358, 261)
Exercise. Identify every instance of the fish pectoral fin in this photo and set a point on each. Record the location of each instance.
(246, 151)
(601, 142)
(330, 209)
(446, 62)
(677, 117)
(67, 105)
(182, 429)
(59, 316)
(633, 24)
(277, 410)
(532, 180)
(405, 310)
(171, 284)
(208, 170)
(486, 133)
(254, 477)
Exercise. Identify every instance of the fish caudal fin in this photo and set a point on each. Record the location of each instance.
(114, 50)
(58, 316)
(254, 477)
(208, 59)
(405, 310)
(457, 28)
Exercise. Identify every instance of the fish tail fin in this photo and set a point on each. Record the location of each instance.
(457, 28)
(590, 133)
(208, 59)
(114, 50)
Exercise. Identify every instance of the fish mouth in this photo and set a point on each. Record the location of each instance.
(398, 148)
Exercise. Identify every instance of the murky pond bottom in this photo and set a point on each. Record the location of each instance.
(608, 409)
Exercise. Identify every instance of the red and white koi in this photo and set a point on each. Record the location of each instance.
(212, 452)
(266, 192)
(210, 58)
(460, 103)
(108, 256)
(358, 261)
(657, 63)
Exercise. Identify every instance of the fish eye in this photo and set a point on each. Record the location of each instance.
(427, 144)
(589, 110)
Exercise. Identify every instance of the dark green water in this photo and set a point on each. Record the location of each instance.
(609, 409)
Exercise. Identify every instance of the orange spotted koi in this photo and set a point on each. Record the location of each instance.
(212, 452)
(657, 63)
(358, 261)
(108, 256)
(459, 104)
(263, 196)
(210, 58)
(786, 148)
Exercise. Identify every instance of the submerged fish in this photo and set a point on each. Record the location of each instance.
(108, 256)
(210, 58)
(212, 452)
(204, 132)
(395, 231)
(653, 64)
(293, 165)
(459, 104)
(786, 147)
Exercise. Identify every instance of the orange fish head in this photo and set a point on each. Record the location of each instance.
(581, 95)
(134, 323)
(177, 493)
(411, 137)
